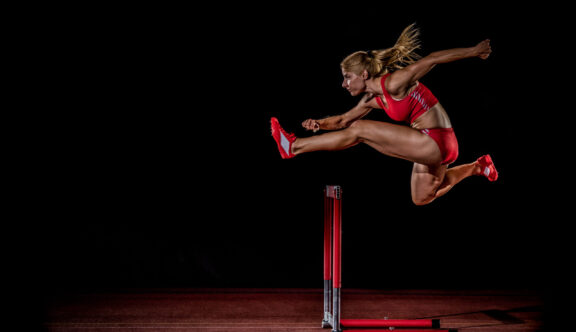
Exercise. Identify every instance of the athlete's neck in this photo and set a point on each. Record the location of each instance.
(374, 86)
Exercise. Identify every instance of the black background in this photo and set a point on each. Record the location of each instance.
(149, 159)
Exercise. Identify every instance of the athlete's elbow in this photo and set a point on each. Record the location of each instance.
(344, 122)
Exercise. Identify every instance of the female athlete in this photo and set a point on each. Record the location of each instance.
(389, 80)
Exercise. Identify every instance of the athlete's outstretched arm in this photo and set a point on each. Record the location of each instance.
(402, 80)
(344, 120)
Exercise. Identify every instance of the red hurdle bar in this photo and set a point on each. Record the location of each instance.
(333, 272)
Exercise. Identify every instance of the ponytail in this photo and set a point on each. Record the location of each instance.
(403, 52)
(381, 62)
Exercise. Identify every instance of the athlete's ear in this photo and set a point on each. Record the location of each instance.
(365, 75)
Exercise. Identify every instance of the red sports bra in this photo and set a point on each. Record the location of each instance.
(409, 108)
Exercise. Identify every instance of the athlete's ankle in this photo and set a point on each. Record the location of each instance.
(295, 148)
(477, 168)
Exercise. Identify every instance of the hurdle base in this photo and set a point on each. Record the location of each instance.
(403, 330)
(428, 323)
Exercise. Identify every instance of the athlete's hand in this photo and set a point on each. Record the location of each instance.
(311, 124)
(483, 49)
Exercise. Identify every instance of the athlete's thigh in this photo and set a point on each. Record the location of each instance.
(399, 141)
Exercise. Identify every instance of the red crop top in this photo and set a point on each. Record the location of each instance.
(409, 108)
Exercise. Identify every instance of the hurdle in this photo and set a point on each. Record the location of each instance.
(333, 283)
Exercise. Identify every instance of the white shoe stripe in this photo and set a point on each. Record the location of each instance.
(285, 144)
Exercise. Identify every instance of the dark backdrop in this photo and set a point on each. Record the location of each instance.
(152, 163)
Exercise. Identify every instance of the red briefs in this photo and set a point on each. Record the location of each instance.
(447, 142)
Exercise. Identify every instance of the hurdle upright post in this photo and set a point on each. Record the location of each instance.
(328, 206)
(332, 257)
(336, 264)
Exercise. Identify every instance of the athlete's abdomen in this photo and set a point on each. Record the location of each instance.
(434, 117)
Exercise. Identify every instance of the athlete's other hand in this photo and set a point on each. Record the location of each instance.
(311, 124)
(483, 49)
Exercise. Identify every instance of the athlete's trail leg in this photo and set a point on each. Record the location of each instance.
(429, 183)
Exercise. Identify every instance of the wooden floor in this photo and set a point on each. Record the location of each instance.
(280, 310)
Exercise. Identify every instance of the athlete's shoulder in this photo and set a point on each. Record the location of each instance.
(397, 85)
(369, 100)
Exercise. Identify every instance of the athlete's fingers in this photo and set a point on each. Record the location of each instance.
(316, 127)
(310, 124)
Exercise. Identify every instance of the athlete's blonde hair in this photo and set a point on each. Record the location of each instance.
(380, 62)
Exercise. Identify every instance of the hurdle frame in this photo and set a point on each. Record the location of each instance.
(333, 283)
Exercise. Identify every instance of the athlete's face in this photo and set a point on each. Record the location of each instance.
(353, 83)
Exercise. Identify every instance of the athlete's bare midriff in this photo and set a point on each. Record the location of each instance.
(435, 117)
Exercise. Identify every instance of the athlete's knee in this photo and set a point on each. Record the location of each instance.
(423, 201)
(357, 129)
(420, 199)
(426, 183)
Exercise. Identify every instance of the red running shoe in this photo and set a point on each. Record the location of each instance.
(488, 169)
(283, 139)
